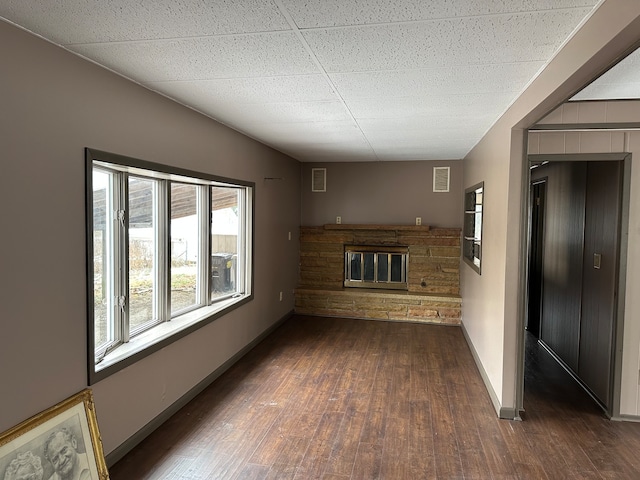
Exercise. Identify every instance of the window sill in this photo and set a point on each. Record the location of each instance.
(165, 333)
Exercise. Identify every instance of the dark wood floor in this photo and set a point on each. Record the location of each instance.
(351, 399)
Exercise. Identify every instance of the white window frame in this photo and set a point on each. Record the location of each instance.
(124, 349)
(473, 224)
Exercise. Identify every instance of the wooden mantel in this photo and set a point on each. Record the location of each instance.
(396, 228)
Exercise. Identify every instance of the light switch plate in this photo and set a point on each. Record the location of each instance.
(597, 260)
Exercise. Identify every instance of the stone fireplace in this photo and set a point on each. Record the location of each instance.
(402, 272)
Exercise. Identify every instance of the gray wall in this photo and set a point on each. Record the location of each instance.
(383, 193)
(53, 104)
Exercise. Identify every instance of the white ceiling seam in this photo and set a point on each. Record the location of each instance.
(323, 72)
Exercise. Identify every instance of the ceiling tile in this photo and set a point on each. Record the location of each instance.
(330, 13)
(481, 106)
(204, 58)
(621, 82)
(315, 141)
(351, 146)
(430, 152)
(464, 79)
(327, 151)
(312, 131)
(419, 127)
(82, 21)
(287, 112)
(610, 91)
(444, 43)
(297, 136)
(296, 88)
(329, 156)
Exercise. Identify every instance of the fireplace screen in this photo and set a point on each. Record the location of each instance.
(376, 267)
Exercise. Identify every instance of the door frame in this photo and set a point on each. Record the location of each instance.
(626, 158)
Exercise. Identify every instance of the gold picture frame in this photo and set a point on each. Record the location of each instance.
(60, 442)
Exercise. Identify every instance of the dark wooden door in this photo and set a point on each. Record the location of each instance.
(600, 275)
(563, 258)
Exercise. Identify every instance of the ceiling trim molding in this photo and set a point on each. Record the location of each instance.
(584, 127)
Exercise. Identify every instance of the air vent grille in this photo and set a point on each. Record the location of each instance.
(440, 179)
(318, 179)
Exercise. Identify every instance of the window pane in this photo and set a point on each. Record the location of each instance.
(226, 239)
(476, 253)
(369, 267)
(356, 265)
(184, 246)
(142, 252)
(478, 215)
(383, 267)
(396, 268)
(103, 295)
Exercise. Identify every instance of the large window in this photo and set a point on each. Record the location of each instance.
(472, 246)
(169, 250)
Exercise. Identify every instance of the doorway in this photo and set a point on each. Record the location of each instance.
(574, 242)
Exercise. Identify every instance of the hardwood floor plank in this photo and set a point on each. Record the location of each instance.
(320, 446)
(395, 453)
(421, 444)
(345, 447)
(290, 456)
(474, 462)
(253, 472)
(375, 426)
(368, 462)
(281, 472)
(208, 465)
(300, 423)
(445, 443)
(398, 403)
(270, 446)
(419, 378)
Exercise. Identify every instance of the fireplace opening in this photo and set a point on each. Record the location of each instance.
(376, 267)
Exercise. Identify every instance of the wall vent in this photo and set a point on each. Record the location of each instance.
(318, 179)
(440, 179)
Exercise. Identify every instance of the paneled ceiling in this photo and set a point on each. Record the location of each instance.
(323, 80)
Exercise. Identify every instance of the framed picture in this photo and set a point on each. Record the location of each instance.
(61, 443)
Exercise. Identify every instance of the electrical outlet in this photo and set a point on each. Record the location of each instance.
(280, 296)
(338, 220)
(418, 220)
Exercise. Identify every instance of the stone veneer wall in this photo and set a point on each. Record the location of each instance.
(433, 294)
